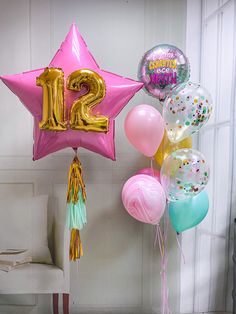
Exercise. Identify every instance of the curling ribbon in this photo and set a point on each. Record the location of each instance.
(161, 238)
(76, 209)
(180, 247)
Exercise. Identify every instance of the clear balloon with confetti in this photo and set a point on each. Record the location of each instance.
(186, 109)
(184, 174)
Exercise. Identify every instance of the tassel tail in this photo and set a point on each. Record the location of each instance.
(76, 247)
(76, 208)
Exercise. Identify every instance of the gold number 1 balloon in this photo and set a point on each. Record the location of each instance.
(167, 147)
(52, 82)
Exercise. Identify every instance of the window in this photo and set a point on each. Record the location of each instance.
(206, 279)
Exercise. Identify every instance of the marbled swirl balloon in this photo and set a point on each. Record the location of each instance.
(186, 109)
(184, 174)
(150, 172)
(144, 198)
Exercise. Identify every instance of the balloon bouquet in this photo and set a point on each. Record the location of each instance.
(166, 138)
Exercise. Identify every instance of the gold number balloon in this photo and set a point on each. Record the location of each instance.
(81, 117)
(52, 82)
(81, 111)
(167, 147)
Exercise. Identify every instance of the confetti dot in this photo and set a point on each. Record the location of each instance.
(195, 100)
(187, 123)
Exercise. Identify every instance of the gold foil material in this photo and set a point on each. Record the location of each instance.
(75, 181)
(82, 117)
(76, 248)
(53, 117)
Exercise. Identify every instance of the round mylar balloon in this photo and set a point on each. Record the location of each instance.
(184, 174)
(186, 109)
(144, 198)
(162, 68)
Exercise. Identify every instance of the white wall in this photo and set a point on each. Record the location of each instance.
(118, 271)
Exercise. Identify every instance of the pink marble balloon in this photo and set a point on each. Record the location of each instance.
(150, 172)
(144, 198)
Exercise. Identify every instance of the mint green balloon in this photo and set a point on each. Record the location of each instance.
(188, 213)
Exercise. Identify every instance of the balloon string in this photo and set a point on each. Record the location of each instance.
(180, 248)
(161, 238)
(166, 308)
(152, 167)
(165, 292)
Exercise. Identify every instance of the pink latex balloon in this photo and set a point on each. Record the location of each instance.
(73, 55)
(144, 198)
(150, 172)
(144, 127)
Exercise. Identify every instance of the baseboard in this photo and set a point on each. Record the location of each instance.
(111, 310)
(127, 311)
(18, 309)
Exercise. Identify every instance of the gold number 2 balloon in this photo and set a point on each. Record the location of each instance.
(167, 147)
(81, 111)
(81, 116)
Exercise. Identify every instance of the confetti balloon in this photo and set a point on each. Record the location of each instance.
(167, 147)
(186, 109)
(162, 68)
(144, 198)
(184, 174)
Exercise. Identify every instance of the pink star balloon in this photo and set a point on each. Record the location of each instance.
(73, 55)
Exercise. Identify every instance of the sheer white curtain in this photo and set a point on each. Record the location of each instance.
(206, 278)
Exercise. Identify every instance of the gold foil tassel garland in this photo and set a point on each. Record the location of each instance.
(76, 247)
(76, 209)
